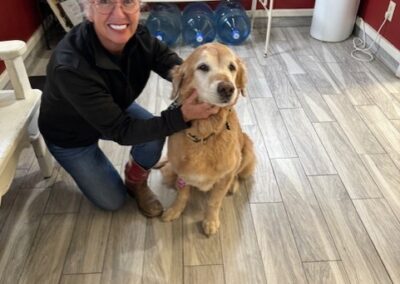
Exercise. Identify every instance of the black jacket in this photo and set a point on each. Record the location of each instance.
(86, 91)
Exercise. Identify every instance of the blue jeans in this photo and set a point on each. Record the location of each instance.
(94, 174)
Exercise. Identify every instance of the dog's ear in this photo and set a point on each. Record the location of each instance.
(241, 76)
(177, 75)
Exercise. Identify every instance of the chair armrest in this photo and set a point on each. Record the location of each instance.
(11, 49)
(11, 52)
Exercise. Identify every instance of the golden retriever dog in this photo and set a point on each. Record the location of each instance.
(214, 153)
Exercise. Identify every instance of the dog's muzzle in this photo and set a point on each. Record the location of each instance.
(225, 91)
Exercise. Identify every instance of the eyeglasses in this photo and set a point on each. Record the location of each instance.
(107, 6)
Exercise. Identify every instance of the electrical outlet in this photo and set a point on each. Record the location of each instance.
(390, 10)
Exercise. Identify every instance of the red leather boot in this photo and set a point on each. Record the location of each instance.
(136, 183)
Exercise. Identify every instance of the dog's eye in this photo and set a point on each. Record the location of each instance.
(204, 67)
(232, 67)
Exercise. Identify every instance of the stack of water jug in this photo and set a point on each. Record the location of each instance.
(199, 24)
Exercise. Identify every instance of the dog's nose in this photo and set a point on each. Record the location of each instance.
(225, 90)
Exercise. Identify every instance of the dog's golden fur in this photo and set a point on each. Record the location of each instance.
(213, 153)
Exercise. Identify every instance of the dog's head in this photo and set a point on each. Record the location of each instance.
(214, 71)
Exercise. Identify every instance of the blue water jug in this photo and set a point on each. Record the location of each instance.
(164, 22)
(198, 24)
(233, 24)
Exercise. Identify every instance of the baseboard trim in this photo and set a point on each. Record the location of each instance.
(262, 13)
(31, 45)
(387, 52)
(284, 13)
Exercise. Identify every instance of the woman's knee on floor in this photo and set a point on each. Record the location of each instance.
(111, 204)
(148, 154)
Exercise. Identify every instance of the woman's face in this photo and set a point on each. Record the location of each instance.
(115, 22)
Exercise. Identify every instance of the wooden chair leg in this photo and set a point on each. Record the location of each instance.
(43, 156)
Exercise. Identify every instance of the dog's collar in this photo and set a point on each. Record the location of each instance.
(197, 139)
(174, 105)
(227, 125)
(203, 140)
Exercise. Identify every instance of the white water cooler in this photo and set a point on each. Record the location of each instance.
(333, 20)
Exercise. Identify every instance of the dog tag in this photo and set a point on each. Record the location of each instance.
(180, 183)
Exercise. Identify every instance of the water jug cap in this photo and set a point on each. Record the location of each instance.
(199, 37)
(235, 34)
(159, 35)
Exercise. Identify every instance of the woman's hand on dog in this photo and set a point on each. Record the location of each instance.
(191, 109)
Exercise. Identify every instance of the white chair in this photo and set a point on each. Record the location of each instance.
(18, 117)
(268, 7)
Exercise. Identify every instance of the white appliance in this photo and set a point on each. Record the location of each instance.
(333, 20)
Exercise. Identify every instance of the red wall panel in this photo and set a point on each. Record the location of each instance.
(278, 4)
(289, 4)
(373, 12)
(18, 20)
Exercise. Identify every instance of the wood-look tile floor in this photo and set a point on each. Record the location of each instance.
(323, 206)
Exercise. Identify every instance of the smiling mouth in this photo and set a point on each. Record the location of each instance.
(118, 27)
(225, 102)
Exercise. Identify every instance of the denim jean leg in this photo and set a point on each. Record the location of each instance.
(145, 154)
(94, 174)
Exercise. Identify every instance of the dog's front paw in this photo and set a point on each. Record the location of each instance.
(210, 227)
(170, 214)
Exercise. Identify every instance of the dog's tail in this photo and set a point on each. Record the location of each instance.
(248, 158)
(169, 176)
